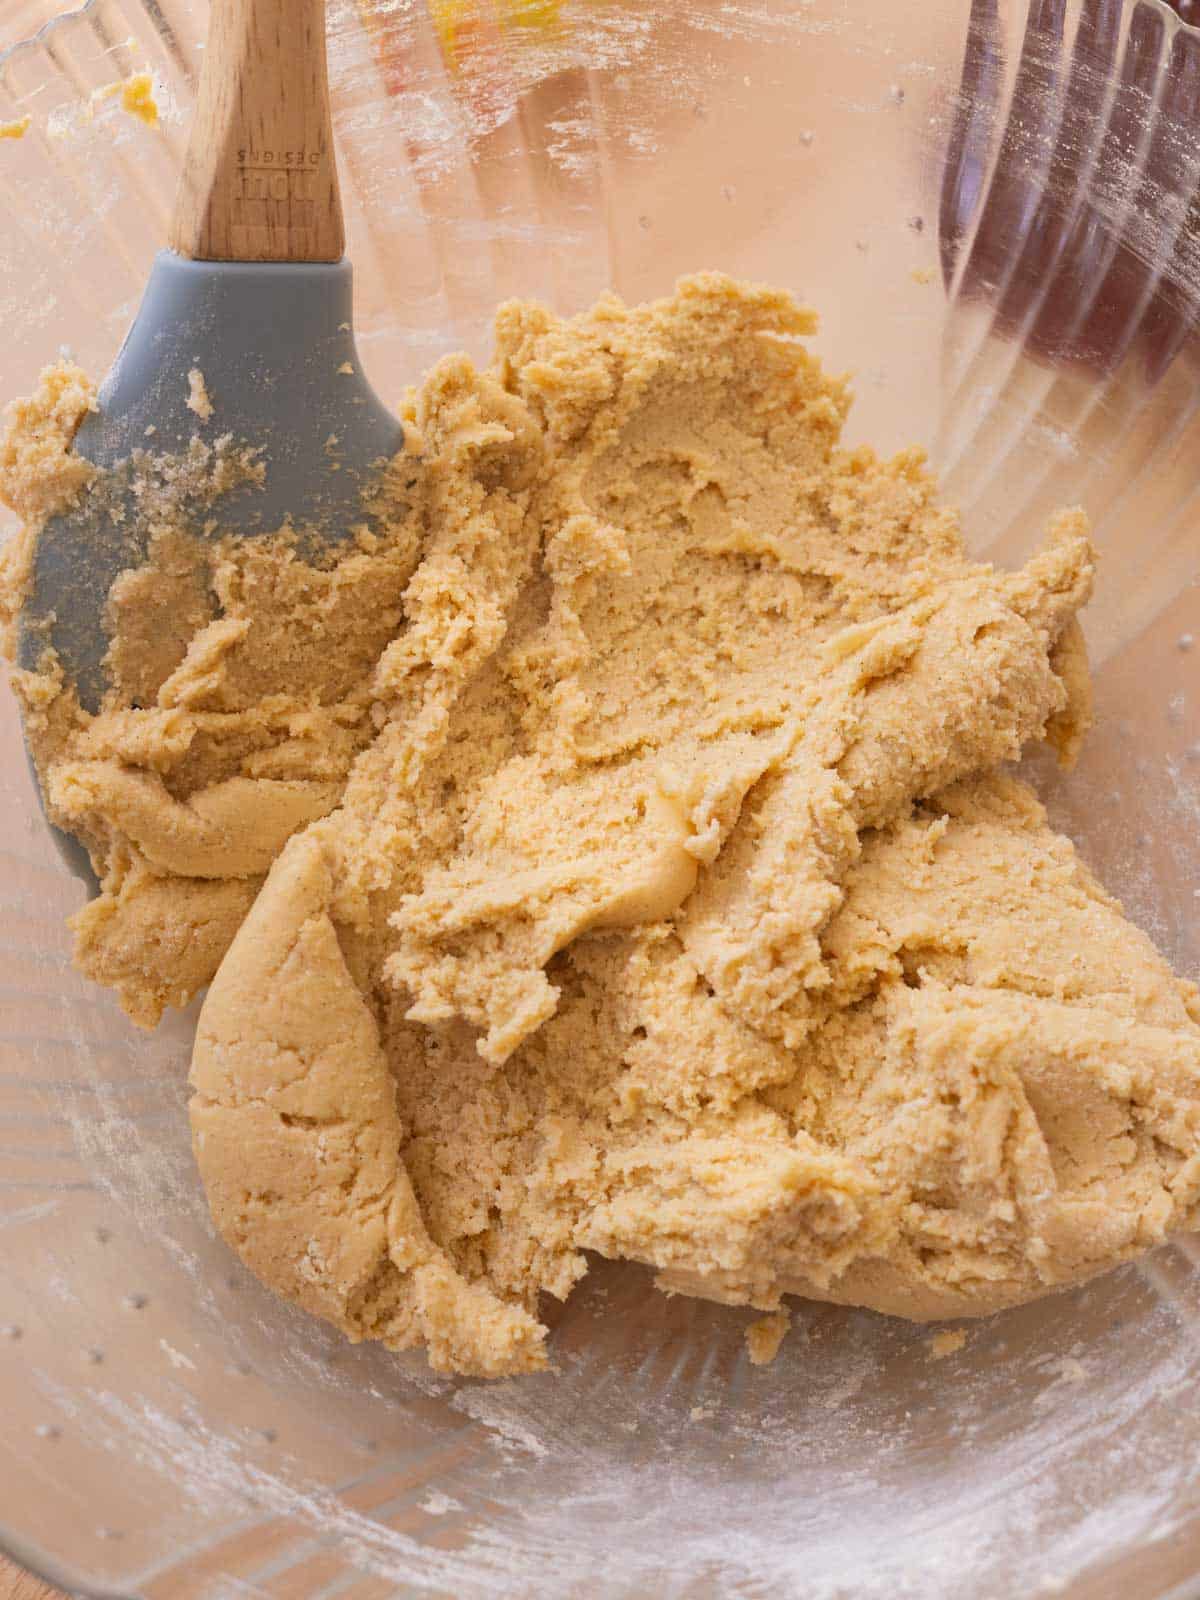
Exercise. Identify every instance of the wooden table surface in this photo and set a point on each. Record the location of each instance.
(18, 1585)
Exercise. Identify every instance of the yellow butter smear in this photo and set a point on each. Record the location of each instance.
(613, 849)
(16, 129)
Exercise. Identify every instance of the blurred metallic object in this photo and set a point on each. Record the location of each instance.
(1070, 251)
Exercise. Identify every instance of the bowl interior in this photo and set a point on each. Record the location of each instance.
(173, 1431)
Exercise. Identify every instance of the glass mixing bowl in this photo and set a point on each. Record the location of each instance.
(994, 205)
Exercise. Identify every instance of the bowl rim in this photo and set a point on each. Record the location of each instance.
(64, 20)
(80, 13)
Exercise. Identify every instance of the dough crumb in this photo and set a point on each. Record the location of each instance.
(946, 1342)
(39, 476)
(136, 94)
(764, 1337)
(1072, 1370)
(198, 397)
(437, 1504)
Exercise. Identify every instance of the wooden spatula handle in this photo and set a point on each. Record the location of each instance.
(260, 180)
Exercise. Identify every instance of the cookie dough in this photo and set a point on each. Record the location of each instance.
(615, 852)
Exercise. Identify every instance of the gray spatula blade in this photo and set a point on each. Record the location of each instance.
(275, 346)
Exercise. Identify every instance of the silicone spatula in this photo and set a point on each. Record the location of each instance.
(254, 296)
